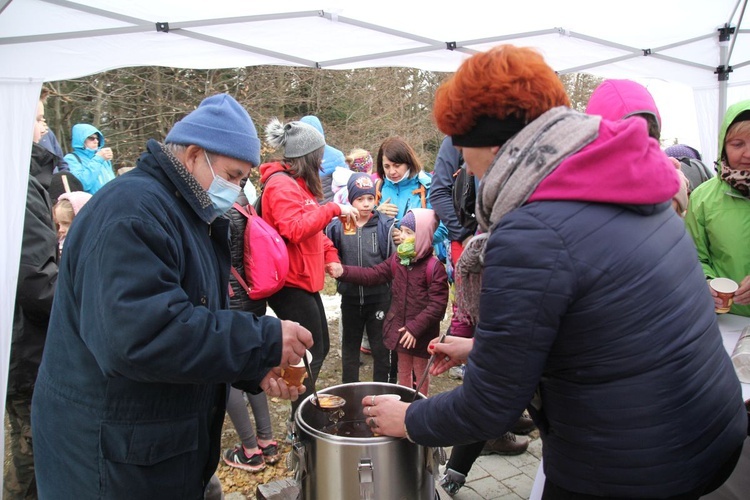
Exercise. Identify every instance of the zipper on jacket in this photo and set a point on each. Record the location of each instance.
(359, 263)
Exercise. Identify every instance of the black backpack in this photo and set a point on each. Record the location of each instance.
(465, 197)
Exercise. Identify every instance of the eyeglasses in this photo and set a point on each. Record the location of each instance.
(93, 138)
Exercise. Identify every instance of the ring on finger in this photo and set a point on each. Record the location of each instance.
(372, 400)
(372, 422)
(367, 411)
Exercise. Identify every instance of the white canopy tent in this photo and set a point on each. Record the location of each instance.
(697, 43)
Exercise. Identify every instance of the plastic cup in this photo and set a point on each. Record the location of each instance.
(350, 227)
(294, 375)
(724, 288)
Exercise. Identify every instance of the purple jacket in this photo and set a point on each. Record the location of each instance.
(416, 304)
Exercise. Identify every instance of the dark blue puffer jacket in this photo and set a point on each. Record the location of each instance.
(600, 316)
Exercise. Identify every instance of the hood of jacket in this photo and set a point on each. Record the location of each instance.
(620, 99)
(268, 169)
(426, 224)
(730, 116)
(332, 157)
(615, 168)
(42, 165)
(79, 134)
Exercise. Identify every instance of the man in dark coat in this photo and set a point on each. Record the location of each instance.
(141, 347)
(37, 276)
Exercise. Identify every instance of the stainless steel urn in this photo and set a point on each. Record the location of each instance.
(340, 459)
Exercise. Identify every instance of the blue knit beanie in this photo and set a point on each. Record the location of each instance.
(360, 184)
(219, 125)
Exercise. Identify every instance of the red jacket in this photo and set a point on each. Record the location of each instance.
(293, 211)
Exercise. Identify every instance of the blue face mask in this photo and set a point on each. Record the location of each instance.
(223, 193)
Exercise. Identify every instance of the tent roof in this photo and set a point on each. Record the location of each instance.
(60, 39)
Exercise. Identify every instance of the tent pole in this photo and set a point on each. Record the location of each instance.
(725, 34)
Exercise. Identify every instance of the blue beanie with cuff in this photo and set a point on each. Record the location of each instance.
(219, 125)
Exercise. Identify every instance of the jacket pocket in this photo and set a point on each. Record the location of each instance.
(136, 456)
(148, 443)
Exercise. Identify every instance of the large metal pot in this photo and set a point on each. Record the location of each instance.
(332, 462)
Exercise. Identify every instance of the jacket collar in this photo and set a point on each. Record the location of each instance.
(163, 165)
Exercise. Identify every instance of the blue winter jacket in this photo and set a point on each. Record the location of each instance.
(402, 195)
(92, 170)
(130, 397)
(596, 314)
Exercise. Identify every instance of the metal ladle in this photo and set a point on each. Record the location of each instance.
(334, 408)
(427, 370)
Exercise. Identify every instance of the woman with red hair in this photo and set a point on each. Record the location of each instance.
(589, 302)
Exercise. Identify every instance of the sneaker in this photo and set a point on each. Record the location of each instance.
(508, 444)
(457, 372)
(271, 453)
(524, 425)
(237, 458)
(452, 481)
(365, 347)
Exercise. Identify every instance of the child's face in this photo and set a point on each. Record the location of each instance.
(407, 233)
(62, 221)
(364, 203)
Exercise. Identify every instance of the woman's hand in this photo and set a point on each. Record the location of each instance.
(385, 415)
(452, 351)
(349, 211)
(105, 153)
(387, 208)
(742, 295)
(408, 340)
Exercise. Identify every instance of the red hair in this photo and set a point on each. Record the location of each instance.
(504, 81)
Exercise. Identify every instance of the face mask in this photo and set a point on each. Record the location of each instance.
(406, 251)
(223, 193)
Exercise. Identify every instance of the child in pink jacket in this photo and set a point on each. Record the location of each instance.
(419, 289)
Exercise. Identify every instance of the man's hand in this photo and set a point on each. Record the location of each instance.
(295, 340)
(273, 385)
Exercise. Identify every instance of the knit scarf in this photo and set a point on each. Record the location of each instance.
(738, 179)
(520, 165)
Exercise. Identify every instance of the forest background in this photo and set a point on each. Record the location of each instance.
(358, 108)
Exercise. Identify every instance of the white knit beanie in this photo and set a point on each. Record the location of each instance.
(297, 138)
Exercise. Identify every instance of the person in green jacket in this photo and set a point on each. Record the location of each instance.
(718, 216)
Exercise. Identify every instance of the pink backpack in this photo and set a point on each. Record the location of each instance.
(265, 258)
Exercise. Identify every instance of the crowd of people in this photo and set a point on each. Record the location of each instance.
(578, 283)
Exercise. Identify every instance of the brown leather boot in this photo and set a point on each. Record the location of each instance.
(524, 424)
(507, 444)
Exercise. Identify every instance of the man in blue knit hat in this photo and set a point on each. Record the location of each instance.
(140, 352)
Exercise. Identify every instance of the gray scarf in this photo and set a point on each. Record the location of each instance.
(520, 165)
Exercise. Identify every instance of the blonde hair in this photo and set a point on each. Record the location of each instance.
(356, 153)
(737, 128)
(64, 205)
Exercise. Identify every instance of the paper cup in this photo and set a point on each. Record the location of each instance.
(296, 374)
(724, 288)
